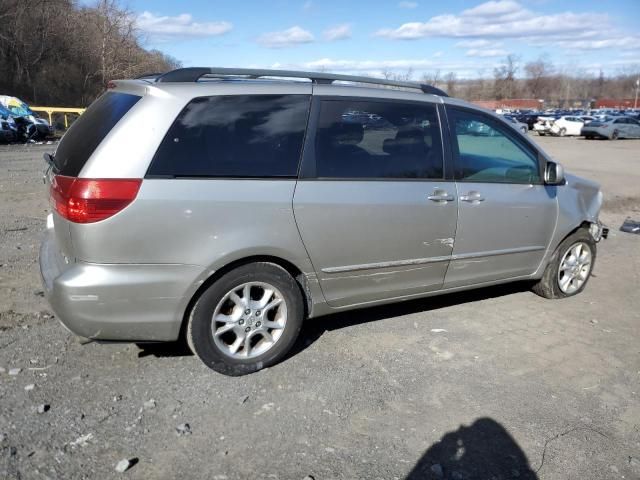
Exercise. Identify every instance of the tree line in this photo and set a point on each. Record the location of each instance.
(540, 79)
(57, 52)
(535, 79)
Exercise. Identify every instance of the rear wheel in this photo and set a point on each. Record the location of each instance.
(570, 267)
(247, 320)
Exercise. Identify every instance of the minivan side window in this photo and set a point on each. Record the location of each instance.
(378, 139)
(242, 136)
(489, 152)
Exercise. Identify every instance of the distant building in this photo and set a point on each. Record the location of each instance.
(614, 103)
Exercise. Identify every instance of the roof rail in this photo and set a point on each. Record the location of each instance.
(193, 74)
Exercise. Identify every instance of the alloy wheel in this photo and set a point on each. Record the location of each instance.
(575, 267)
(249, 320)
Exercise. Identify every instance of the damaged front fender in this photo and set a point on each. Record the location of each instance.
(579, 202)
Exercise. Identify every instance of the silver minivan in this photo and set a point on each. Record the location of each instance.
(228, 205)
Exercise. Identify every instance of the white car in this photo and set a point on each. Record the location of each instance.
(543, 125)
(567, 125)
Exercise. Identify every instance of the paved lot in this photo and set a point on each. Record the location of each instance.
(497, 383)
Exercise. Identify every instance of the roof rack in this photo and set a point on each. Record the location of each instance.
(149, 76)
(193, 74)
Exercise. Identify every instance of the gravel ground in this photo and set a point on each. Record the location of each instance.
(492, 384)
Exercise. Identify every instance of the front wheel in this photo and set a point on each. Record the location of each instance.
(563, 132)
(247, 320)
(614, 135)
(570, 267)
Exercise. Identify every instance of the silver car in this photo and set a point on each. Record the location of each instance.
(226, 208)
(612, 128)
(518, 125)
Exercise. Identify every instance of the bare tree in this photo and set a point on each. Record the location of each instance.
(505, 78)
(538, 73)
(451, 82)
(54, 51)
(431, 78)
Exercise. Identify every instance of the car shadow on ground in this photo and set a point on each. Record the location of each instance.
(482, 450)
(314, 328)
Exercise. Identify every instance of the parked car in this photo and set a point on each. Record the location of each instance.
(612, 128)
(543, 126)
(8, 129)
(566, 125)
(521, 127)
(213, 220)
(529, 118)
(30, 126)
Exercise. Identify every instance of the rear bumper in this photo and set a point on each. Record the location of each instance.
(116, 301)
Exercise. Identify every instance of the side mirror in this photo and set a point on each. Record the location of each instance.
(554, 174)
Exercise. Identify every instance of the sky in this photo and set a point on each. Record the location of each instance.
(469, 38)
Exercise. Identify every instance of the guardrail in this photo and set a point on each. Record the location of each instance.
(64, 110)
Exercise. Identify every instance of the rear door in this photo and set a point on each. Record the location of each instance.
(375, 206)
(575, 125)
(506, 216)
(634, 128)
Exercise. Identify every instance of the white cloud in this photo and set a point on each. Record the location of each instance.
(486, 52)
(469, 68)
(624, 42)
(438, 54)
(499, 19)
(478, 44)
(506, 10)
(367, 65)
(181, 25)
(338, 32)
(286, 38)
(408, 5)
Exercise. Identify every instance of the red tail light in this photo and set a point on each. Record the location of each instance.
(85, 200)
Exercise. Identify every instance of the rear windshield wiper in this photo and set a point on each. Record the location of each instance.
(51, 166)
(49, 159)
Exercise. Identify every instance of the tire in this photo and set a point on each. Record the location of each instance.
(216, 353)
(562, 132)
(614, 135)
(541, 134)
(549, 285)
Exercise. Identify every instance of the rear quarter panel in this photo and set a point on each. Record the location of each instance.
(202, 222)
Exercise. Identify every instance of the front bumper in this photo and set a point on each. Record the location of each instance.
(598, 231)
(127, 302)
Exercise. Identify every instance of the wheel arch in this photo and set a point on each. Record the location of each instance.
(291, 268)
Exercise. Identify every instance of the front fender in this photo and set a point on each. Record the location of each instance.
(579, 202)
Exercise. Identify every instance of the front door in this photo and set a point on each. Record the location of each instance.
(374, 210)
(506, 215)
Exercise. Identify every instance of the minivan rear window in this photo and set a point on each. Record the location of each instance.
(235, 136)
(89, 130)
